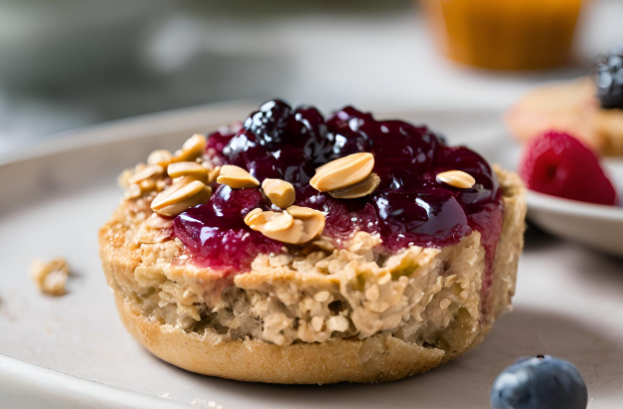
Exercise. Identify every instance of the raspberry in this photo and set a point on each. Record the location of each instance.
(558, 164)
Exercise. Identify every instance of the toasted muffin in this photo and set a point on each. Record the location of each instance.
(319, 279)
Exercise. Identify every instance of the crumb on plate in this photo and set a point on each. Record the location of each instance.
(50, 276)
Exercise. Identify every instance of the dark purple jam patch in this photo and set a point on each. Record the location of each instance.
(410, 207)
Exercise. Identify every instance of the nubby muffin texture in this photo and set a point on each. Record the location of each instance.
(296, 249)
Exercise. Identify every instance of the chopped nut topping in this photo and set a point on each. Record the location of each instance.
(457, 178)
(281, 222)
(124, 177)
(248, 219)
(181, 196)
(298, 228)
(192, 148)
(294, 234)
(236, 177)
(146, 173)
(147, 185)
(50, 277)
(133, 192)
(213, 174)
(256, 219)
(343, 172)
(161, 157)
(361, 189)
(279, 192)
(314, 221)
(192, 169)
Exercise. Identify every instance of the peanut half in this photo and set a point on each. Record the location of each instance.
(236, 177)
(161, 157)
(361, 189)
(192, 149)
(457, 178)
(181, 196)
(213, 171)
(279, 192)
(343, 172)
(297, 225)
(257, 218)
(50, 277)
(192, 169)
(146, 173)
(313, 221)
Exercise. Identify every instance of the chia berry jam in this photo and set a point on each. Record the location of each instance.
(410, 207)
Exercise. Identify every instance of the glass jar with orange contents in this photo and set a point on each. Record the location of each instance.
(505, 34)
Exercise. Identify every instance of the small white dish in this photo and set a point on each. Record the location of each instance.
(597, 226)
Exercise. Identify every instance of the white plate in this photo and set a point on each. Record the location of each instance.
(73, 351)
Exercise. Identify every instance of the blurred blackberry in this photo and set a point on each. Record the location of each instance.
(272, 122)
(609, 72)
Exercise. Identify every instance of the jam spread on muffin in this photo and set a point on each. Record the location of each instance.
(409, 206)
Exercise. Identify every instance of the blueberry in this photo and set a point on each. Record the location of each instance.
(542, 382)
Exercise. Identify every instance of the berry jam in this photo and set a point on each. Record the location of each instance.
(410, 207)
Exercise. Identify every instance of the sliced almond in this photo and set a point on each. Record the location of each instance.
(161, 157)
(343, 172)
(457, 178)
(181, 196)
(236, 177)
(192, 169)
(279, 192)
(192, 148)
(146, 173)
(361, 189)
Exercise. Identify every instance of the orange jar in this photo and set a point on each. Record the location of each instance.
(505, 34)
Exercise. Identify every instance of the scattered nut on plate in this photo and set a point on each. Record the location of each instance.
(50, 276)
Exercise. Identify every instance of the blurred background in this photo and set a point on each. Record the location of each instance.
(70, 63)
